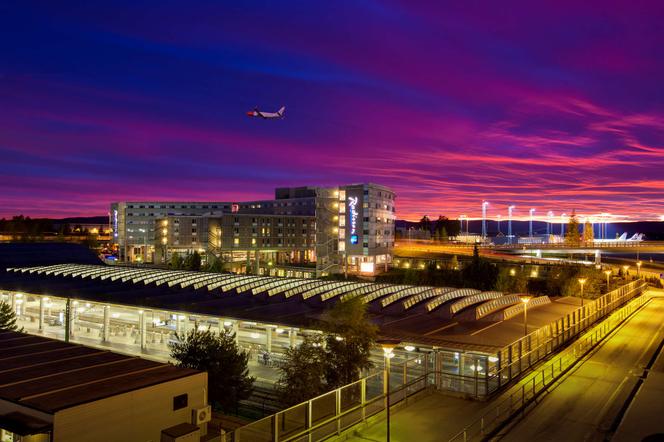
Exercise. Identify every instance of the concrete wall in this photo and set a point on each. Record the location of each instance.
(138, 416)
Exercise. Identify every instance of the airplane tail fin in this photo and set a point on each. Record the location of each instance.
(281, 111)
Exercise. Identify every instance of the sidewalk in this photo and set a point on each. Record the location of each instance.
(432, 418)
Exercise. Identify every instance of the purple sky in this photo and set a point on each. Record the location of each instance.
(556, 107)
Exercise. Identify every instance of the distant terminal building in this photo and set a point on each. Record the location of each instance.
(303, 231)
(52, 391)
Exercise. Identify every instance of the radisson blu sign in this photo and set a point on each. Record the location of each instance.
(352, 218)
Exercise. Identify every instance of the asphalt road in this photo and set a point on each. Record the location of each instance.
(584, 404)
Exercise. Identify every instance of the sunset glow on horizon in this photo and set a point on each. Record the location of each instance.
(557, 107)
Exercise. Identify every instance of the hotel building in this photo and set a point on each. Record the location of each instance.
(303, 231)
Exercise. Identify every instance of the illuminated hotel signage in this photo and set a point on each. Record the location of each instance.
(352, 213)
(115, 223)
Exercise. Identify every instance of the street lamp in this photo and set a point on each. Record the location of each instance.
(525, 299)
(509, 223)
(625, 268)
(582, 281)
(530, 230)
(607, 273)
(388, 351)
(485, 204)
(638, 269)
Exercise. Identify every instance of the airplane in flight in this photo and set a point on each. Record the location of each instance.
(267, 115)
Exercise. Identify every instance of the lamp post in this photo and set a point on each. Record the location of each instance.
(607, 273)
(484, 206)
(388, 351)
(582, 281)
(525, 299)
(509, 223)
(625, 269)
(638, 269)
(530, 227)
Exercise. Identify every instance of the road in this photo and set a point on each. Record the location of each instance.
(585, 403)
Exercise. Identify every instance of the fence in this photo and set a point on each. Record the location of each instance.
(333, 412)
(522, 354)
(495, 417)
(339, 409)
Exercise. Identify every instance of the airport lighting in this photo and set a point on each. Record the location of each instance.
(607, 273)
(530, 229)
(509, 223)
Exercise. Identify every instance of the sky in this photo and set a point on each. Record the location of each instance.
(556, 106)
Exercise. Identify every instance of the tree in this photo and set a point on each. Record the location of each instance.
(302, 373)
(572, 236)
(349, 337)
(332, 360)
(454, 263)
(480, 273)
(176, 261)
(214, 264)
(588, 233)
(8, 317)
(425, 224)
(512, 281)
(218, 354)
(444, 227)
(192, 261)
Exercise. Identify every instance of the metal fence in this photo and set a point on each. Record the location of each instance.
(333, 412)
(516, 402)
(519, 356)
(477, 376)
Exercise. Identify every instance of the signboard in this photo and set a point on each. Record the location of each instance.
(115, 223)
(354, 221)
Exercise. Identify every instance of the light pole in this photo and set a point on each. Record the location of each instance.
(484, 206)
(388, 351)
(549, 225)
(509, 222)
(582, 281)
(530, 228)
(607, 273)
(525, 300)
(625, 269)
(638, 269)
(499, 217)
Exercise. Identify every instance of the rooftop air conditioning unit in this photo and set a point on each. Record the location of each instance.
(201, 415)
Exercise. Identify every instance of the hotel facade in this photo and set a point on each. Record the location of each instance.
(303, 231)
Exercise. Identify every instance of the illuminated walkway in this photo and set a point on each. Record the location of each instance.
(584, 405)
(584, 400)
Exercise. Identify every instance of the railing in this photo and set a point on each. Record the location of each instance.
(521, 355)
(333, 412)
(493, 419)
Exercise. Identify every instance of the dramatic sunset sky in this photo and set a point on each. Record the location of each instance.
(556, 107)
